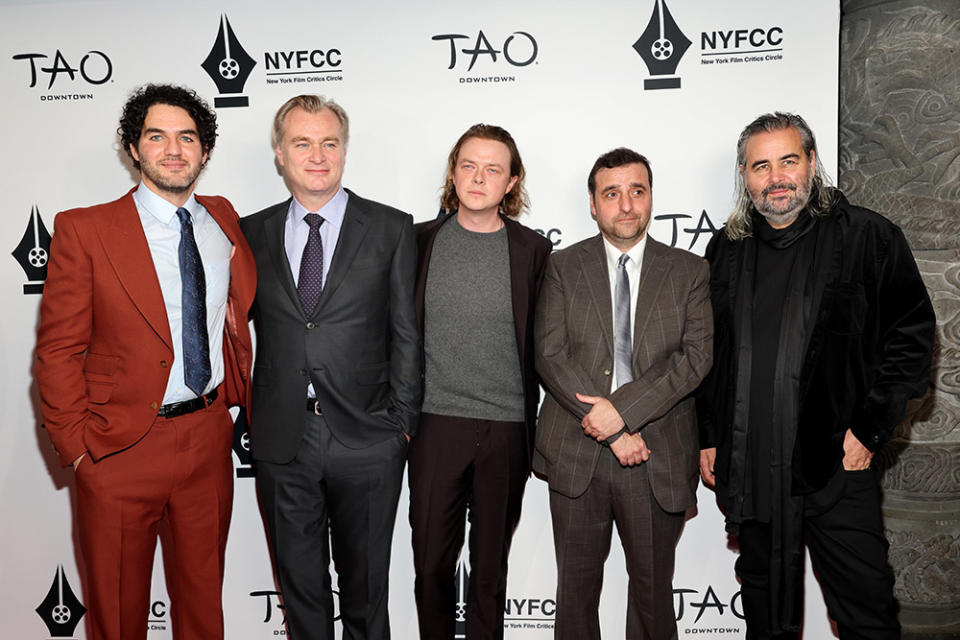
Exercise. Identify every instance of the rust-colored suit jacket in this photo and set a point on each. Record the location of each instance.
(103, 347)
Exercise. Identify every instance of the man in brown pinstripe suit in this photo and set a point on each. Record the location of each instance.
(624, 335)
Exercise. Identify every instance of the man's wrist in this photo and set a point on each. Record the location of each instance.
(609, 441)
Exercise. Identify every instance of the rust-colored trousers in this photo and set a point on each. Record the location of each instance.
(181, 472)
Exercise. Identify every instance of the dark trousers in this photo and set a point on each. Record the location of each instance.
(459, 465)
(843, 528)
(348, 496)
(582, 529)
(180, 472)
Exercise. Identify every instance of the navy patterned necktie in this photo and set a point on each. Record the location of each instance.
(622, 342)
(310, 281)
(193, 301)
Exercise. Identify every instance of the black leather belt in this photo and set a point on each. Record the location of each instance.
(314, 407)
(175, 409)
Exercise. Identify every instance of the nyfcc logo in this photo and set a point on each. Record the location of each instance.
(554, 235)
(316, 64)
(503, 54)
(663, 44)
(734, 46)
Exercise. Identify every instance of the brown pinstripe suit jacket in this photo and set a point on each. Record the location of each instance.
(672, 352)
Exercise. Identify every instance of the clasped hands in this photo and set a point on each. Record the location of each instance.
(604, 421)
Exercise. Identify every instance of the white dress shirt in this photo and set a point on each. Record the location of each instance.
(633, 267)
(161, 226)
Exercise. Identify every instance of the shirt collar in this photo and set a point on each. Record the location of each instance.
(635, 252)
(164, 211)
(332, 212)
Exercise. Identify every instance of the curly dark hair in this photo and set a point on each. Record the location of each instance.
(140, 101)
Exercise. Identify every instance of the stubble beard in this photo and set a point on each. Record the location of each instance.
(179, 186)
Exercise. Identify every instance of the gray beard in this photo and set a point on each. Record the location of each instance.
(799, 201)
(780, 220)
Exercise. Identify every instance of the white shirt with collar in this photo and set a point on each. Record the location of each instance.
(633, 268)
(161, 226)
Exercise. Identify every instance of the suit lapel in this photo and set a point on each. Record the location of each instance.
(128, 252)
(352, 232)
(227, 221)
(652, 276)
(520, 255)
(273, 232)
(593, 264)
(426, 235)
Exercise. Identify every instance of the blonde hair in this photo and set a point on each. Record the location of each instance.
(310, 103)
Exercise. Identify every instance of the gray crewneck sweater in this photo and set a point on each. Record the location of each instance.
(472, 365)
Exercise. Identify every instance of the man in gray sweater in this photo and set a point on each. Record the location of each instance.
(477, 284)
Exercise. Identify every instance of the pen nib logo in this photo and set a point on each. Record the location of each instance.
(33, 252)
(61, 610)
(462, 581)
(241, 446)
(661, 46)
(229, 66)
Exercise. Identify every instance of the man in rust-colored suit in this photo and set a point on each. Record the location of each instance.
(143, 344)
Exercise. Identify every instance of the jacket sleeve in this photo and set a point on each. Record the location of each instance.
(406, 381)
(711, 394)
(66, 322)
(906, 323)
(561, 375)
(662, 386)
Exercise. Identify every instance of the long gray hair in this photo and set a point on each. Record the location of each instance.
(739, 225)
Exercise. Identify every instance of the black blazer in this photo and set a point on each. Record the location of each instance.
(528, 255)
(360, 346)
(868, 352)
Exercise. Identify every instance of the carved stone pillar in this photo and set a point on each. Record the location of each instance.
(900, 155)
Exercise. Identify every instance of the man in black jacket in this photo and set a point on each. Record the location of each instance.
(823, 331)
(477, 281)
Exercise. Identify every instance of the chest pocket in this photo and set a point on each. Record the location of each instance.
(844, 307)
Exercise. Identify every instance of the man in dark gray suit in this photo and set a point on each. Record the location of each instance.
(624, 336)
(337, 382)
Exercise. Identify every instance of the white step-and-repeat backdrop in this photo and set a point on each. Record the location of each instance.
(674, 80)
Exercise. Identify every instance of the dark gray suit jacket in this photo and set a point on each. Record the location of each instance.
(672, 352)
(360, 346)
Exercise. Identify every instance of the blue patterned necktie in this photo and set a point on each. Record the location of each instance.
(622, 342)
(193, 301)
(310, 281)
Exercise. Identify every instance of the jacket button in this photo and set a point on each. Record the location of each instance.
(607, 372)
(153, 405)
(310, 325)
(303, 372)
(163, 363)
